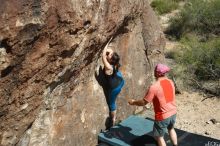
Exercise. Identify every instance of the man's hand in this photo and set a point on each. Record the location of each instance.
(140, 102)
(131, 101)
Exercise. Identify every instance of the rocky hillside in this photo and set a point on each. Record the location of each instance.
(51, 81)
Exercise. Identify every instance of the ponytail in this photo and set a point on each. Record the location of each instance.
(117, 66)
(115, 60)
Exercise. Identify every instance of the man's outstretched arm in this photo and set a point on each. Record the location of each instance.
(141, 102)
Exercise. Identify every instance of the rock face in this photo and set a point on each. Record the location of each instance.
(51, 80)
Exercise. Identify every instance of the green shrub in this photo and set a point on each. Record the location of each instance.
(201, 59)
(164, 6)
(170, 54)
(200, 16)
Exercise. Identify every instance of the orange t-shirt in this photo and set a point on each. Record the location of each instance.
(162, 94)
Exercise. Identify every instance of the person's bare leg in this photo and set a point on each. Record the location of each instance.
(173, 136)
(161, 141)
(113, 117)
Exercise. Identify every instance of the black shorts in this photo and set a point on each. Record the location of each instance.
(160, 127)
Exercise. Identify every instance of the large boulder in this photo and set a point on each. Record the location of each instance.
(51, 85)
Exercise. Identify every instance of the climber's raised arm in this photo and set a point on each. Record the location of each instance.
(106, 58)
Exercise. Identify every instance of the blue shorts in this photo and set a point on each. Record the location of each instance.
(161, 127)
(112, 95)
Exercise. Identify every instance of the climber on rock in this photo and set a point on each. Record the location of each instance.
(162, 94)
(114, 79)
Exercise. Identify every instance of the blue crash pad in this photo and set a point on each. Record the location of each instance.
(125, 133)
(137, 131)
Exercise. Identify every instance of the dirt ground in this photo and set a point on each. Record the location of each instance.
(198, 114)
